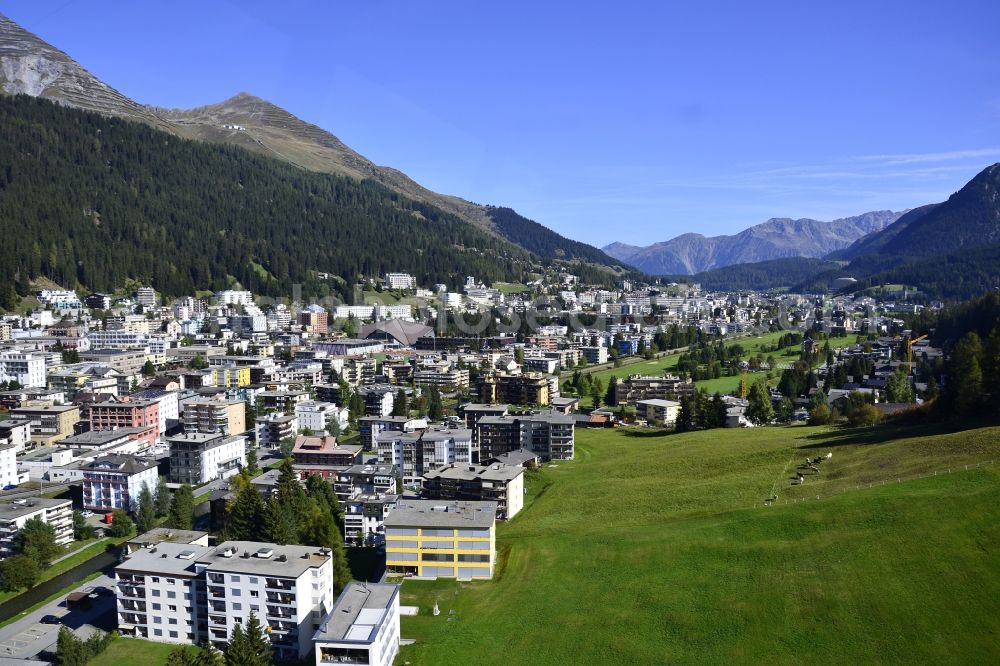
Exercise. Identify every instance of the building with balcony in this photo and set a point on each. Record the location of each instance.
(8, 465)
(416, 453)
(441, 539)
(14, 514)
(49, 423)
(125, 412)
(362, 628)
(497, 483)
(658, 412)
(208, 415)
(530, 388)
(319, 416)
(115, 481)
(28, 370)
(371, 426)
(325, 451)
(630, 390)
(273, 428)
(364, 518)
(15, 433)
(125, 361)
(198, 458)
(550, 434)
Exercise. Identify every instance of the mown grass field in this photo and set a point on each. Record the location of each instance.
(652, 549)
(135, 651)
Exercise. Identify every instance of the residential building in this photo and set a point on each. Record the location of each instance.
(146, 297)
(8, 465)
(400, 281)
(364, 518)
(530, 388)
(208, 415)
(159, 535)
(550, 434)
(444, 540)
(15, 433)
(274, 428)
(319, 416)
(350, 347)
(115, 481)
(358, 480)
(49, 423)
(472, 412)
(447, 380)
(658, 412)
(125, 412)
(168, 406)
(324, 450)
(121, 441)
(198, 458)
(14, 514)
(28, 370)
(289, 587)
(371, 426)
(125, 361)
(497, 483)
(416, 453)
(640, 387)
(362, 628)
(595, 355)
(315, 319)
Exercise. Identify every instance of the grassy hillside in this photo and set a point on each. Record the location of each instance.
(658, 549)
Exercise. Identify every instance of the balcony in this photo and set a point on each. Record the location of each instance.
(279, 584)
(132, 592)
(343, 656)
(278, 613)
(284, 599)
(216, 592)
(218, 579)
(217, 619)
(131, 605)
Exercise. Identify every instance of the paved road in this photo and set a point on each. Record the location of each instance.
(27, 637)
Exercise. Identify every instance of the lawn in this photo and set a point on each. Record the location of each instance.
(658, 549)
(131, 651)
(510, 287)
(81, 552)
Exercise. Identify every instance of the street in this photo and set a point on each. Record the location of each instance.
(27, 637)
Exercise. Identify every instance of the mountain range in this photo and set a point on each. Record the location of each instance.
(777, 238)
(29, 65)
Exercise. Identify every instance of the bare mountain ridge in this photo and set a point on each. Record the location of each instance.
(775, 239)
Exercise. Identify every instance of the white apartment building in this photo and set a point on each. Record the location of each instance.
(186, 593)
(199, 457)
(115, 481)
(234, 297)
(400, 281)
(16, 433)
(317, 416)
(13, 515)
(290, 588)
(8, 465)
(362, 628)
(417, 453)
(169, 409)
(28, 370)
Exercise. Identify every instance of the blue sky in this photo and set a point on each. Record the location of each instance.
(631, 121)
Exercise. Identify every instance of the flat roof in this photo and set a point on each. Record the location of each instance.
(17, 508)
(289, 561)
(166, 558)
(358, 613)
(101, 437)
(168, 535)
(656, 402)
(439, 513)
(495, 472)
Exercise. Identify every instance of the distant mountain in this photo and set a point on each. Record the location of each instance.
(29, 65)
(873, 243)
(777, 238)
(762, 275)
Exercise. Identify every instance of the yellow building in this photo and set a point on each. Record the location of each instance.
(231, 376)
(441, 539)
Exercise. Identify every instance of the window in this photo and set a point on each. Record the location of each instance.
(473, 558)
(156, 593)
(156, 579)
(254, 607)
(171, 581)
(173, 634)
(235, 579)
(171, 594)
(156, 606)
(253, 580)
(171, 620)
(234, 591)
(157, 632)
(437, 557)
(237, 606)
(157, 619)
(173, 608)
(254, 593)
(238, 619)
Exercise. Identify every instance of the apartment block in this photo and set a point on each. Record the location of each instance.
(318, 416)
(324, 451)
(371, 426)
(400, 281)
(186, 593)
(530, 388)
(441, 539)
(15, 433)
(125, 412)
(362, 628)
(49, 423)
(208, 415)
(8, 465)
(273, 428)
(115, 481)
(125, 361)
(416, 453)
(198, 458)
(645, 387)
(497, 483)
(13, 515)
(660, 412)
(550, 434)
(364, 518)
(28, 370)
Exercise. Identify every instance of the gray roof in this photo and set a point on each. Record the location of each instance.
(101, 437)
(461, 434)
(358, 613)
(516, 458)
(437, 513)
(166, 558)
(127, 465)
(167, 535)
(495, 472)
(15, 509)
(297, 559)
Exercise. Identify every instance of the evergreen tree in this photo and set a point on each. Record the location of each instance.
(182, 656)
(148, 369)
(609, 396)
(322, 492)
(252, 465)
(965, 385)
(81, 528)
(898, 387)
(721, 410)
(759, 411)
(245, 511)
(318, 528)
(210, 656)
(37, 539)
(248, 646)
(991, 365)
(435, 410)
(685, 416)
(278, 526)
(145, 512)
(181, 511)
(399, 405)
(162, 499)
(121, 523)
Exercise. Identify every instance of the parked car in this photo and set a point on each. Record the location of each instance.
(86, 513)
(50, 619)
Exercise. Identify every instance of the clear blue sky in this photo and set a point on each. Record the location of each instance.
(631, 121)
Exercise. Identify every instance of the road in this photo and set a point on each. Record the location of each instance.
(28, 637)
